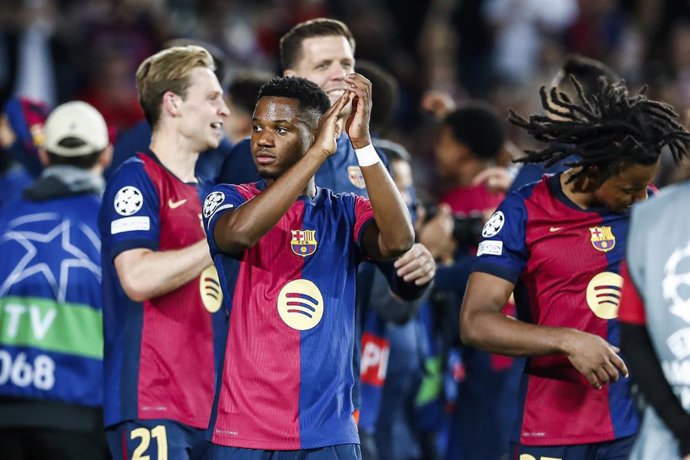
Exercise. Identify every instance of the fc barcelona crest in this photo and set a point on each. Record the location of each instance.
(356, 177)
(602, 238)
(303, 242)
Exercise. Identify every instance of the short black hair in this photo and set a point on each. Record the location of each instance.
(385, 93)
(244, 88)
(477, 126)
(605, 131)
(291, 42)
(312, 99)
(87, 161)
(587, 71)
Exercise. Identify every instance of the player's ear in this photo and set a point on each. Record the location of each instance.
(43, 157)
(106, 157)
(171, 103)
(593, 179)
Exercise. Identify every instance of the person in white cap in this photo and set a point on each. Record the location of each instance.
(51, 333)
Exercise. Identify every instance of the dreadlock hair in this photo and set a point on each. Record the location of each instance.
(605, 131)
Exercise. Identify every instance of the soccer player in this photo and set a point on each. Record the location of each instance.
(654, 317)
(322, 51)
(161, 292)
(557, 245)
(51, 334)
(288, 376)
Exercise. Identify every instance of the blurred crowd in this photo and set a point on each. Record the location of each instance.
(500, 51)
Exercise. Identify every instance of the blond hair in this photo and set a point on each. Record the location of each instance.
(168, 70)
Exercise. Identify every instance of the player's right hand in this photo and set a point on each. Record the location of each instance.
(595, 358)
(330, 126)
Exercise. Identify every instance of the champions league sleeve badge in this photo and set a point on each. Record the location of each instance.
(493, 225)
(303, 242)
(128, 200)
(211, 203)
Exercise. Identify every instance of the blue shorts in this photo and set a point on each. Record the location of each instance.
(618, 449)
(339, 452)
(155, 439)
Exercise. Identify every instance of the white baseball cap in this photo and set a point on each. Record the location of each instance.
(79, 120)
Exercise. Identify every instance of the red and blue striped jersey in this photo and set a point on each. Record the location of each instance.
(287, 375)
(565, 263)
(160, 355)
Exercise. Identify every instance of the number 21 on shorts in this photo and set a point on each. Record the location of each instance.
(144, 450)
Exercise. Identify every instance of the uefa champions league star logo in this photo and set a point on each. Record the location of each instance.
(128, 200)
(493, 225)
(52, 254)
(676, 284)
(211, 203)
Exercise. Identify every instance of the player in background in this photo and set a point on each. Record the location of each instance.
(161, 292)
(288, 391)
(557, 246)
(51, 331)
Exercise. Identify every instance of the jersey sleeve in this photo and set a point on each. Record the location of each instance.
(364, 215)
(631, 307)
(503, 251)
(223, 198)
(131, 210)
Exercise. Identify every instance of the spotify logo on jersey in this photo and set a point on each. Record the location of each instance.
(604, 294)
(300, 304)
(209, 288)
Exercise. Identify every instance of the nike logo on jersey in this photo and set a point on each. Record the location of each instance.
(555, 229)
(176, 204)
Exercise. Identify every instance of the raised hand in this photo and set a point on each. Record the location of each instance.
(357, 124)
(595, 358)
(329, 129)
(439, 103)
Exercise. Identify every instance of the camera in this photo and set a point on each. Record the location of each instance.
(467, 230)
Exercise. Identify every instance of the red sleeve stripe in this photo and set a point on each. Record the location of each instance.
(631, 307)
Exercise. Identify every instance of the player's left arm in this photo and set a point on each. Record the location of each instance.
(391, 235)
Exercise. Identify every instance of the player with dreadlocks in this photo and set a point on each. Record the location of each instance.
(557, 245)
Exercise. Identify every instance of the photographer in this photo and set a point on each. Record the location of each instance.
(469, 140)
